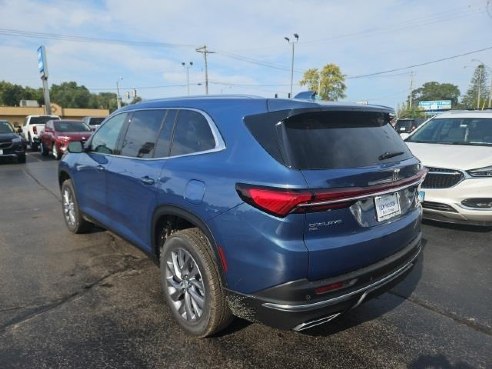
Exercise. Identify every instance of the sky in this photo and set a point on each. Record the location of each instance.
(383, 49)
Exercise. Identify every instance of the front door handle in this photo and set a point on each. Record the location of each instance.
(147, 180)
(100, 168)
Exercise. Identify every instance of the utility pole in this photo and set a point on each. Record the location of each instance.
(118, 98)
(410, 99)
(203, 50)
(490, 93)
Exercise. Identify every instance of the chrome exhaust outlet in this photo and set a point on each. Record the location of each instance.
(314, 323)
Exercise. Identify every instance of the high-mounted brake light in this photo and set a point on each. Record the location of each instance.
(280, 202)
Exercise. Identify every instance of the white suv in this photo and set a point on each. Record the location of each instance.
(33, 126)
(456, 147)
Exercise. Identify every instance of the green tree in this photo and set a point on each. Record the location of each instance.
(431, 91)
(10, 94)
(70, 95)
(329, 82)
(405, 111)
(104, 100)
(478, 84)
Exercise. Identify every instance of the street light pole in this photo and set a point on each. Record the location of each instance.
(203, 50)
(296, 36)
(187, 66)
(118, 98)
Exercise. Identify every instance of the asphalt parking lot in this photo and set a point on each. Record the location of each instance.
(93, 301)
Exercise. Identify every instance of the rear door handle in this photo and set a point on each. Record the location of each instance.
(147, 180)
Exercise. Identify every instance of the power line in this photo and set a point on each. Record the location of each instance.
(420, 64)
(76, 38)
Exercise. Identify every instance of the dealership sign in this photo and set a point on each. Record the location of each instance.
(435, 105)
(42, 64)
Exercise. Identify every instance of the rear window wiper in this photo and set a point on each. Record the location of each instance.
(388, 155)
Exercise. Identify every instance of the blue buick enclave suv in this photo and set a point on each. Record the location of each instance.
(286, 212)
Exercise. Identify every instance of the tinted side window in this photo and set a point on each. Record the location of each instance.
(191, 134)
(106, 138)
(142, 133)
(164, 140)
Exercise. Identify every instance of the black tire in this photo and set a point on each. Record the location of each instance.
(71, 213)
(190, 277)
(57, 155)
(43, 149)
(31, 143)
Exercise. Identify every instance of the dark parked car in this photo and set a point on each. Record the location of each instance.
(405, 126)
(285, 212)
(12, 144)
(58, 134)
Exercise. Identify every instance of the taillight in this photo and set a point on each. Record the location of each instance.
(280, 202)
(275, 201)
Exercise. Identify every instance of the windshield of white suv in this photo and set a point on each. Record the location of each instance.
(455, 131)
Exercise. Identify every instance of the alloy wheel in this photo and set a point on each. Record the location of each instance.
(69, 207)
(185, 285)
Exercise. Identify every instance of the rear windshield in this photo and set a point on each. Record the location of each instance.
(71, 127)
(329, 139)
(41, 120)
(95, 121)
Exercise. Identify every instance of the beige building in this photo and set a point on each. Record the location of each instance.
(17, 115)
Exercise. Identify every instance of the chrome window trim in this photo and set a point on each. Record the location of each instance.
(219, 141)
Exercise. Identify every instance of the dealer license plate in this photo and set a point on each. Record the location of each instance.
(387, 206)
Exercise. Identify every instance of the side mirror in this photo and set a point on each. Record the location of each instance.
(75, 147)
(18, 130)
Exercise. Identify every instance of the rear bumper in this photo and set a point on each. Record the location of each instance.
(295, 305)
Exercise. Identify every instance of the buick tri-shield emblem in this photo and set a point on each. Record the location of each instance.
(396, 175)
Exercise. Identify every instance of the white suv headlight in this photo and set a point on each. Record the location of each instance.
(481, 172)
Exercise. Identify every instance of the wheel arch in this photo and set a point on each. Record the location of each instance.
(175, 219)
(62, 177)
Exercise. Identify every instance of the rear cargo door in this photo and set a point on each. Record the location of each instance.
(356, 156)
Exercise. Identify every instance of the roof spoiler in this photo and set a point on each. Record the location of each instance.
(306, 95)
